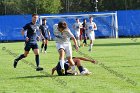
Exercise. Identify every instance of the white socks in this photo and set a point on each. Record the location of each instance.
(62, 64)
(90, 47)
(78, 42)
(73, 68)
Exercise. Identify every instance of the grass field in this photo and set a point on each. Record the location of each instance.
(117, 71)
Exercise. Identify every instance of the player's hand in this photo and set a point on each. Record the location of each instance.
(44, 41)
(27, 39)
(38, 38)
(76, 47)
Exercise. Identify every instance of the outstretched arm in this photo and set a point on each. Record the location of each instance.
(86, 59)
(53, 70)
(75, 42)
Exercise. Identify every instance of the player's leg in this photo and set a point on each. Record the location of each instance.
(36, 52)
(78, 64)
(61, 51)
(78, 40)
(82, 70)
(77, 35)
(68, 51)
(26, 52)
(42, 45)
(91, 38)
(61, 59)
(85, 39)
(91, 44)
(46, 45)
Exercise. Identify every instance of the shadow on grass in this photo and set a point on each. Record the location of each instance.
(37, 76)
(118, 44)
(42, 76)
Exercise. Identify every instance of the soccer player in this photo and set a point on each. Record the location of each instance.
(84, 32)
(46, 33)
(30, 42)
(91, 26)
(62, 36)
(76, 27)
(77, 61)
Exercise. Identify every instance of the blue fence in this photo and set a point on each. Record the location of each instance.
(128, 22)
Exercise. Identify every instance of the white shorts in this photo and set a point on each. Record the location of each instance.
(77, 33)
(66, 47)
(91, 35)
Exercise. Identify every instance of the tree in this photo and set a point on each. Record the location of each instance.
(40, 6)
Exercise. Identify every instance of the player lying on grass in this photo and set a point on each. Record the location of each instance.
(77, 61)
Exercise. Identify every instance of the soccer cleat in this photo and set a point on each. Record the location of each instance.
(89, 50)
(45, 52)
(15, 63)
(85, 73)
(83, 45)
(41, 50)
(72, 72)
(62, 71)
(39, 69)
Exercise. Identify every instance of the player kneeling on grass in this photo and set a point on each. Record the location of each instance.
(63, 44)
(30, 42)
(77, 61)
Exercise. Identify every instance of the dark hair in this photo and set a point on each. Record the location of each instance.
(77, 18)
(43, 19)
(34, 14)
(84, 19)
(62, 24)
(90, 17)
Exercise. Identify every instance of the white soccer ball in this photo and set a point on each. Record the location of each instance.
(85, 69)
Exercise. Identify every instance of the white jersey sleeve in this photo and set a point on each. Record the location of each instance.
(62, 37)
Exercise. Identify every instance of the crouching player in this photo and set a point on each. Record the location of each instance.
(77, 61)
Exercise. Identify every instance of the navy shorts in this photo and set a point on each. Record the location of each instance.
(45, 38)
(58, 68)
(28, 46)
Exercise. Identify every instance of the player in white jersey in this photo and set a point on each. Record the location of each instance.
(91, 26)
(62, 37)
(76, 27)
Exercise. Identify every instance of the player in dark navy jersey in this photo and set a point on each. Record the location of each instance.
(46, 33)
(31, 41)
(77, 61)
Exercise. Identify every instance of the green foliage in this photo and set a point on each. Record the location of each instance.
(62, 6)
(29, 6)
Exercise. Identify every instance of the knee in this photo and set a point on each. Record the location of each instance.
(25, 55)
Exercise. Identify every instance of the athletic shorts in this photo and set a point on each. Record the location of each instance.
(45, 38)
(91, 35)
(28, 46)
(77, 34)
(58, 68)
(66, 47)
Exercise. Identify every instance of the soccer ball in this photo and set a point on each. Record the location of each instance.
(85, 69)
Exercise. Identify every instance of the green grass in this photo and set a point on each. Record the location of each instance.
(117, 71)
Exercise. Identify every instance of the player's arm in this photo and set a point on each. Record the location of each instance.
(41, 34)
(53, 70)
(74, 26)
(73, 38)
(48, 31)
(95, 26)
(85, 59)
(23, 33)
(75, 43)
